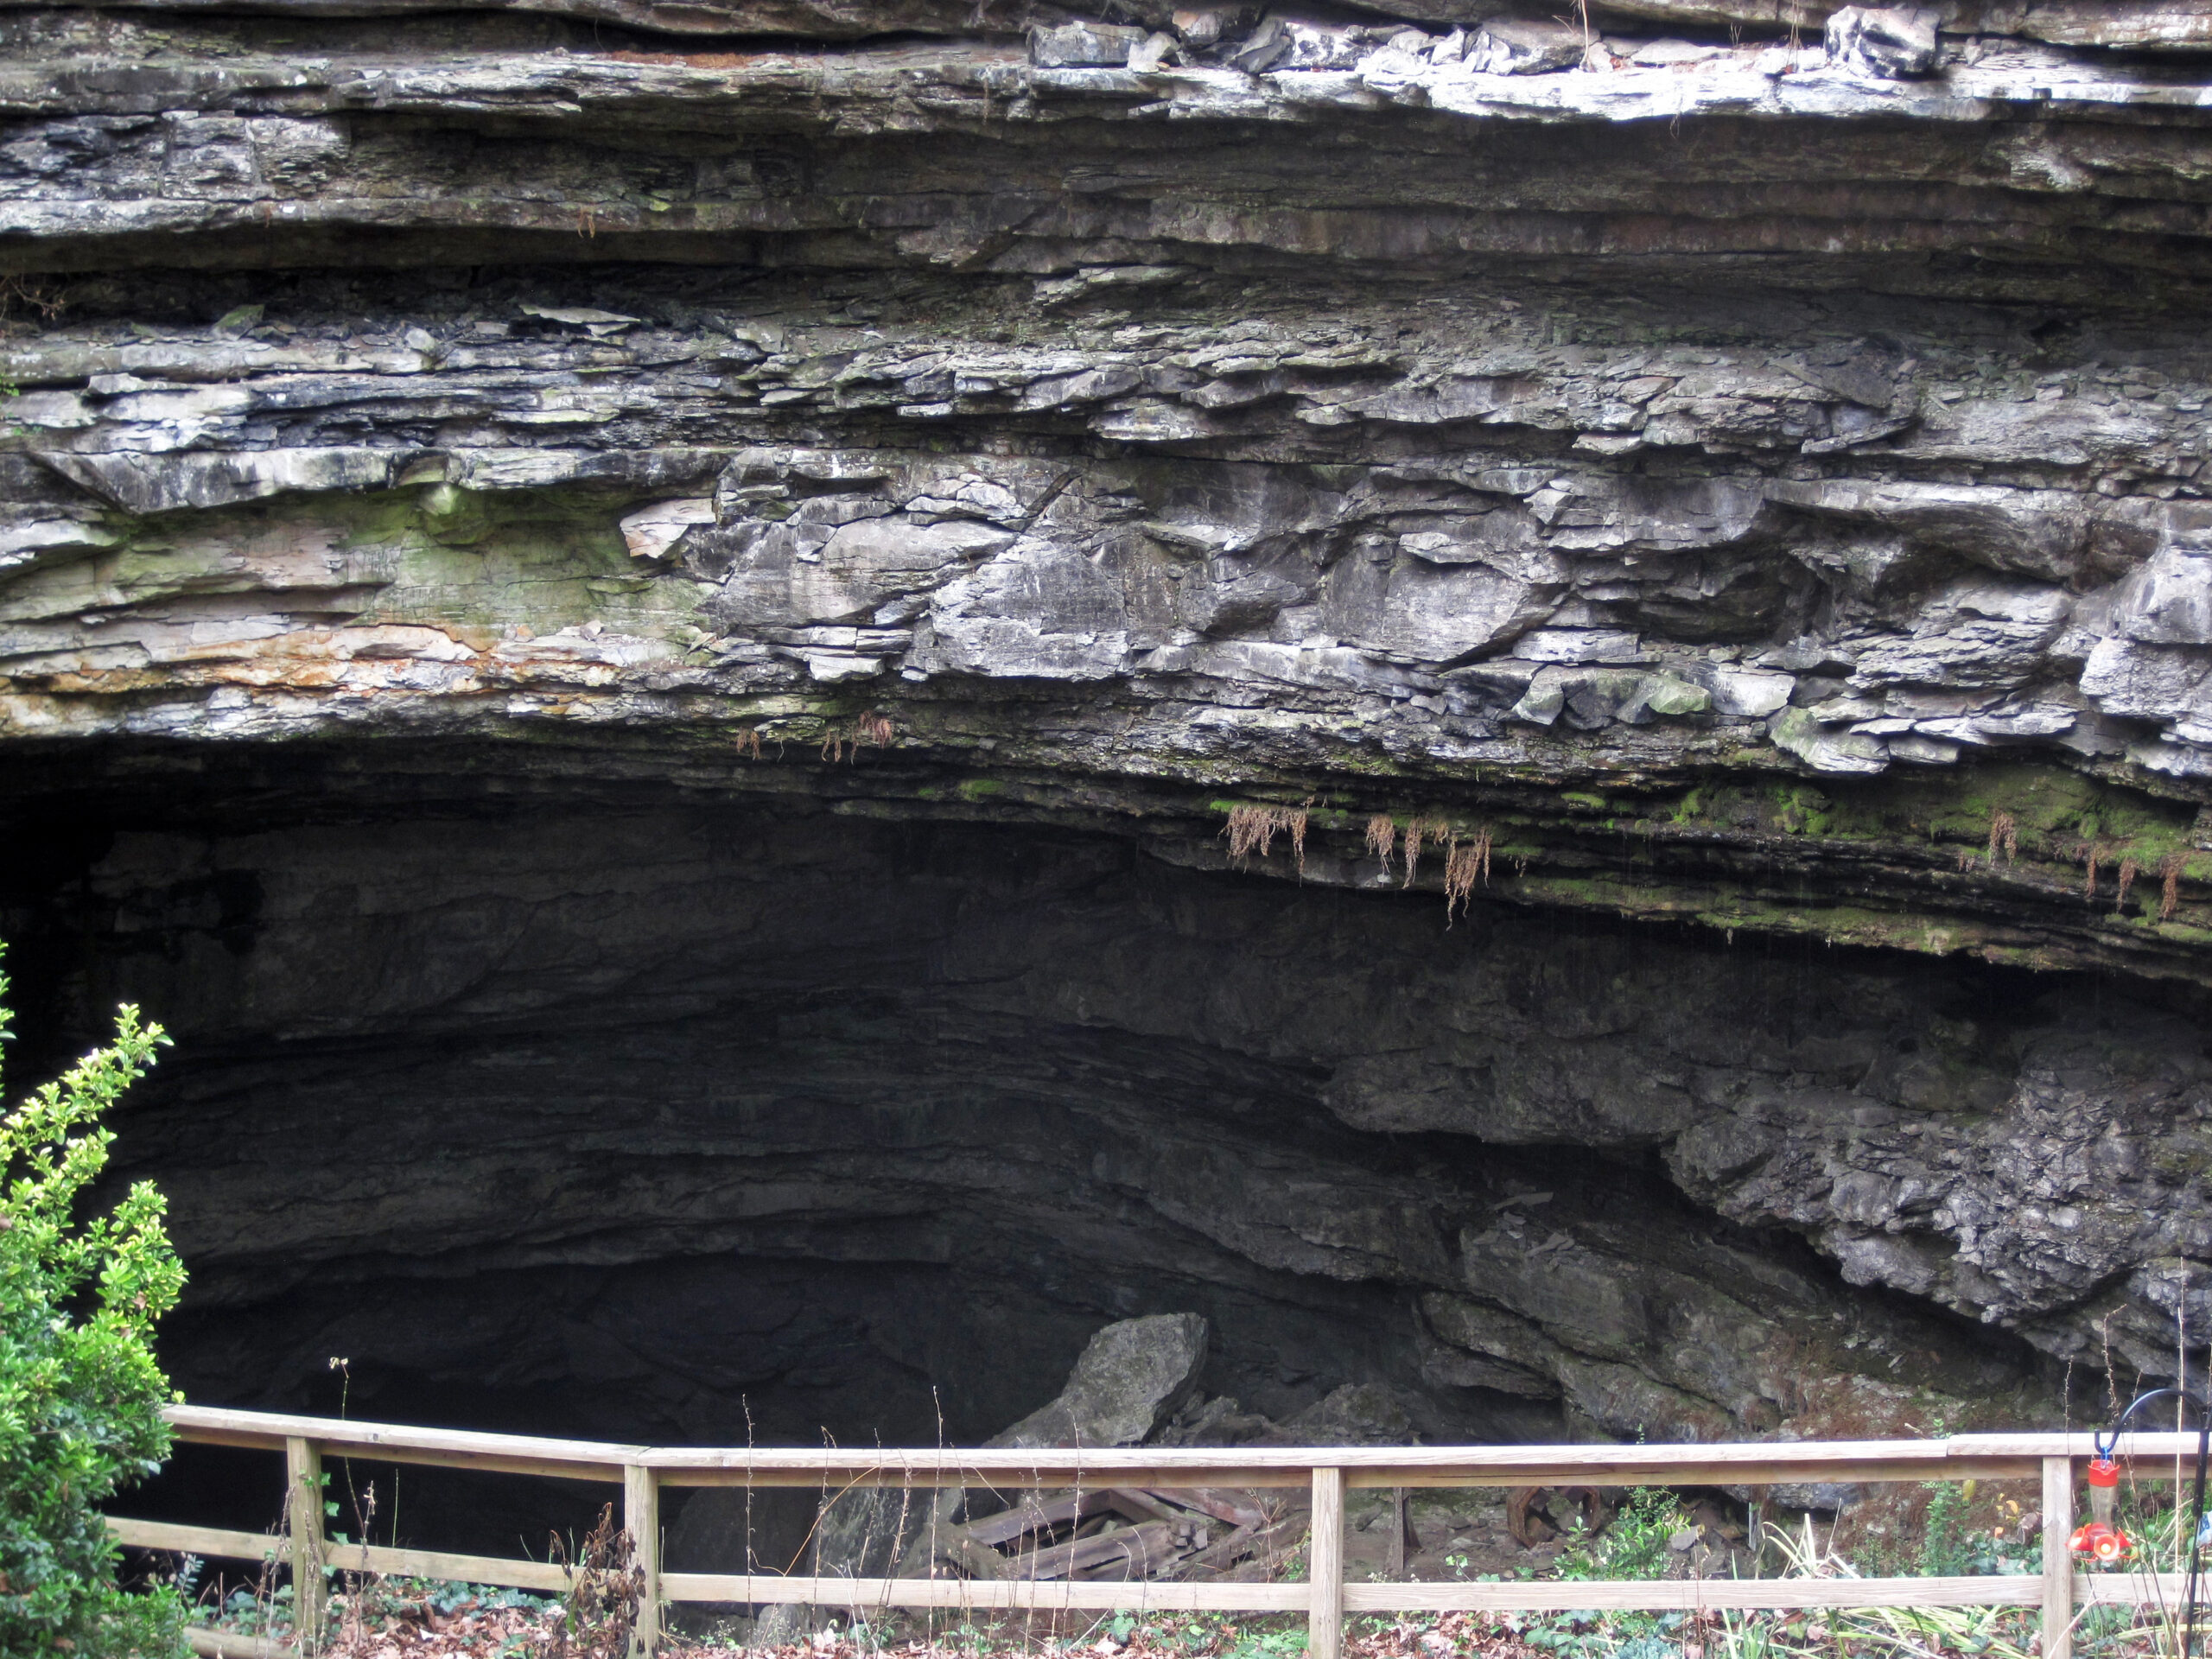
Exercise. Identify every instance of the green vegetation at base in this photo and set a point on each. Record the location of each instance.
(1948, 1530)
(80, 1393)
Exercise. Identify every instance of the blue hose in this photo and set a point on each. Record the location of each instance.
(2192, 1582)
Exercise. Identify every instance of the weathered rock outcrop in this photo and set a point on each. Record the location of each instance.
(1130, 1381)
(600, 606)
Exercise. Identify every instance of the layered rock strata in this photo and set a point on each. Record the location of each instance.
(546, 549)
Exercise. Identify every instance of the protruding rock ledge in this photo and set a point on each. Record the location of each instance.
(2126, 25)
(202, 142)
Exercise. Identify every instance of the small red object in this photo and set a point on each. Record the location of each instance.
(2102, 1543)
(2103, 1471)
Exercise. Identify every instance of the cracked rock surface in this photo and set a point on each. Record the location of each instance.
(1143, 662)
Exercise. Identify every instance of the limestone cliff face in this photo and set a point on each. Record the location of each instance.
(489, 489)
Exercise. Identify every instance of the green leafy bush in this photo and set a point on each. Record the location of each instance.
(1634, 1546)
(80, 1394)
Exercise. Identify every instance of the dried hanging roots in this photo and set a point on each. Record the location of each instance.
(1253, 829)
(873, 728)
(1382, 838)
(1464, 863)
(1433, 829)
(2004, 840)
(2005, 836)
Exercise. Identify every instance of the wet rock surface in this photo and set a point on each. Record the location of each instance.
(1519, 708)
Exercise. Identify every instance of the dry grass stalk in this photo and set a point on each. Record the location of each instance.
(2003, 836)
(1253, 829)
(2128, 870)
(1382, 838)
(2090, 854)
(1422, 829)
(606, 1586)
(2170, 892)
(748, 741)
(1464, 863)
(872, 727)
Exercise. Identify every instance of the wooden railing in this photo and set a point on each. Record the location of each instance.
(642, 1471)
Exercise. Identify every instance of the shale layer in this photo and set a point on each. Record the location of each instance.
(783, 692)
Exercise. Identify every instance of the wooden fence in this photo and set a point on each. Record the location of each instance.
(643, 1472)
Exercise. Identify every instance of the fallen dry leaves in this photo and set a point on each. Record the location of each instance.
(1454, 1636)
(486, 1633)
(509, 1632)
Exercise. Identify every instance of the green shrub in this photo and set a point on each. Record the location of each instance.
(1634, 1546)
(80, 1395)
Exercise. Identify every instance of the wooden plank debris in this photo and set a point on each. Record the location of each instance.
(1025, 1518)
(1078, 1535)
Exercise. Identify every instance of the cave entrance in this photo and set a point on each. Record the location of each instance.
(678, 1122)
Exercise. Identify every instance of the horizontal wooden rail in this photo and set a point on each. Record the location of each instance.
(1995, 1590)
(1694, 1594)
(516, 1454)
(224, 1644)
(221, 1544)
(643, 1471)
(217, 1541)
(1038, 1595)
(545, 1576)
(1543, 1596)
(1962, 1457)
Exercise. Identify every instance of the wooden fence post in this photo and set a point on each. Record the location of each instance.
(641, 1520)
(2057, 1560)
(303, 1521)
(1324, 1566)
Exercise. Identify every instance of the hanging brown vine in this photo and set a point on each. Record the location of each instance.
(1382, 838)
(1465, 864)
(1253, 829)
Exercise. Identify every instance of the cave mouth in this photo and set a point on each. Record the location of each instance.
(633, 1116)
